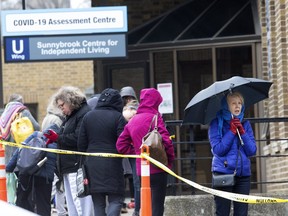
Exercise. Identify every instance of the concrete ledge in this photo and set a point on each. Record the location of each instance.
(204, 205)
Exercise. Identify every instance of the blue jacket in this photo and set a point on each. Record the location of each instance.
(225, 149)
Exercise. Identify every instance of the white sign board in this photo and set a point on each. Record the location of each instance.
(165, 89)
(64, 21)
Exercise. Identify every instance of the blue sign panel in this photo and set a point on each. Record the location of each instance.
(17, 50)
(23, 49)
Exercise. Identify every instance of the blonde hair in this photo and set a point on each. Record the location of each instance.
(235, 94)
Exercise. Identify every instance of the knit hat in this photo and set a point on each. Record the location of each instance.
(128, 91)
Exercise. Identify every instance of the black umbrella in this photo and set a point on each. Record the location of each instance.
(205, 104)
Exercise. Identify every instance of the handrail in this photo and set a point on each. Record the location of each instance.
(193, 143)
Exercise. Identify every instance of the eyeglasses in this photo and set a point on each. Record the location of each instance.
(61, 105)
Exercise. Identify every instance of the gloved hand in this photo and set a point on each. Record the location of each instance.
(233, 127)
(239, 126)
(51, 136)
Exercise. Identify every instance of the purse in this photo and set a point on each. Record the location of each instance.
(153, 139)
(224, 180)
(82, 181)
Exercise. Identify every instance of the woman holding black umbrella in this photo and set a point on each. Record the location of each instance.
(232, 143)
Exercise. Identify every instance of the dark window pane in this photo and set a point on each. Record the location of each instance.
(212, 21)
(136, 35)
(242, 25)
(234, 61)
(176, 21)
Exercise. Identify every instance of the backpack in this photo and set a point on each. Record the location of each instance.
(30, 160)
(21, 128)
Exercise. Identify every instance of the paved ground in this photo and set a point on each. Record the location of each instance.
(130, 211)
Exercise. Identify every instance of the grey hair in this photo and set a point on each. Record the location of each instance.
(71, 95)
(16, 98)
(53, 108)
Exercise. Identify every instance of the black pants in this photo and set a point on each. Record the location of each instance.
(158, 184)
(34, 194)
(223, 206)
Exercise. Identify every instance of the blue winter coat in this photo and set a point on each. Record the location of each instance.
(225, 149)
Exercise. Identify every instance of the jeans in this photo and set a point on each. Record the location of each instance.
(223, 206)
(136, 182)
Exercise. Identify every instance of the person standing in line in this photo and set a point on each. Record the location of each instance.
(129, 96)
(34, 190)
(129, 111)
(55, 116)
(98, 134)
(14, 106)
(228, 152)
(130, 106)
(130, 141)
(73, 105)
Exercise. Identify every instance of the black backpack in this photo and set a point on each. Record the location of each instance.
(30, 160)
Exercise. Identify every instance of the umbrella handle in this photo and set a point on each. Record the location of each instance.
(241, 141)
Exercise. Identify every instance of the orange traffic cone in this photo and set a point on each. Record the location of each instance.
(146, 205)
(3, 190)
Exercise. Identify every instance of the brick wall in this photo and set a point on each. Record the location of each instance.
(274, 26)
(38, 81)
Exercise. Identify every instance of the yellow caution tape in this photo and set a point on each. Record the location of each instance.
(60, 151)
(227, 195)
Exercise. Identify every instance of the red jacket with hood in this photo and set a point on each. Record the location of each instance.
(130, 140)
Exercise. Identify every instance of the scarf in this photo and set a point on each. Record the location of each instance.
(8, 116)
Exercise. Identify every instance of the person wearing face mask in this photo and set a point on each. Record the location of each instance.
(232, 144)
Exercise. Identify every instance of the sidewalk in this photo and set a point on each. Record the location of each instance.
(130, 211)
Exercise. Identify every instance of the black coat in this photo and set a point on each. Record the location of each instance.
(67, 140)
(99, 132)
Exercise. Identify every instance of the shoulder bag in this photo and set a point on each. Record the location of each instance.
(224, 180)
(82, 181)
(153, 139)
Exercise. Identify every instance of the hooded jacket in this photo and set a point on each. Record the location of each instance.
(225, 149)
(98, 134)
(130, 140)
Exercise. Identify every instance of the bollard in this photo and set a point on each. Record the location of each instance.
(3, 190)
(146, 204)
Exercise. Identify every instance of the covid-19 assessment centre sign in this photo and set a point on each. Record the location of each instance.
(63, 34)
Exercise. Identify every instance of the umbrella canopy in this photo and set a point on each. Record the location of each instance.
(205, 104)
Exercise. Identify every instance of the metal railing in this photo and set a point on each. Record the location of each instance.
(175, 187)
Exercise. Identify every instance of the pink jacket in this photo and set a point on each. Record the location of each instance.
(130, 139)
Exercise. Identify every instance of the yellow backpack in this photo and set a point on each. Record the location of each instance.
(21, 128)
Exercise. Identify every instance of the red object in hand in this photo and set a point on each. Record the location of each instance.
(233, 126)
(51, 136)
